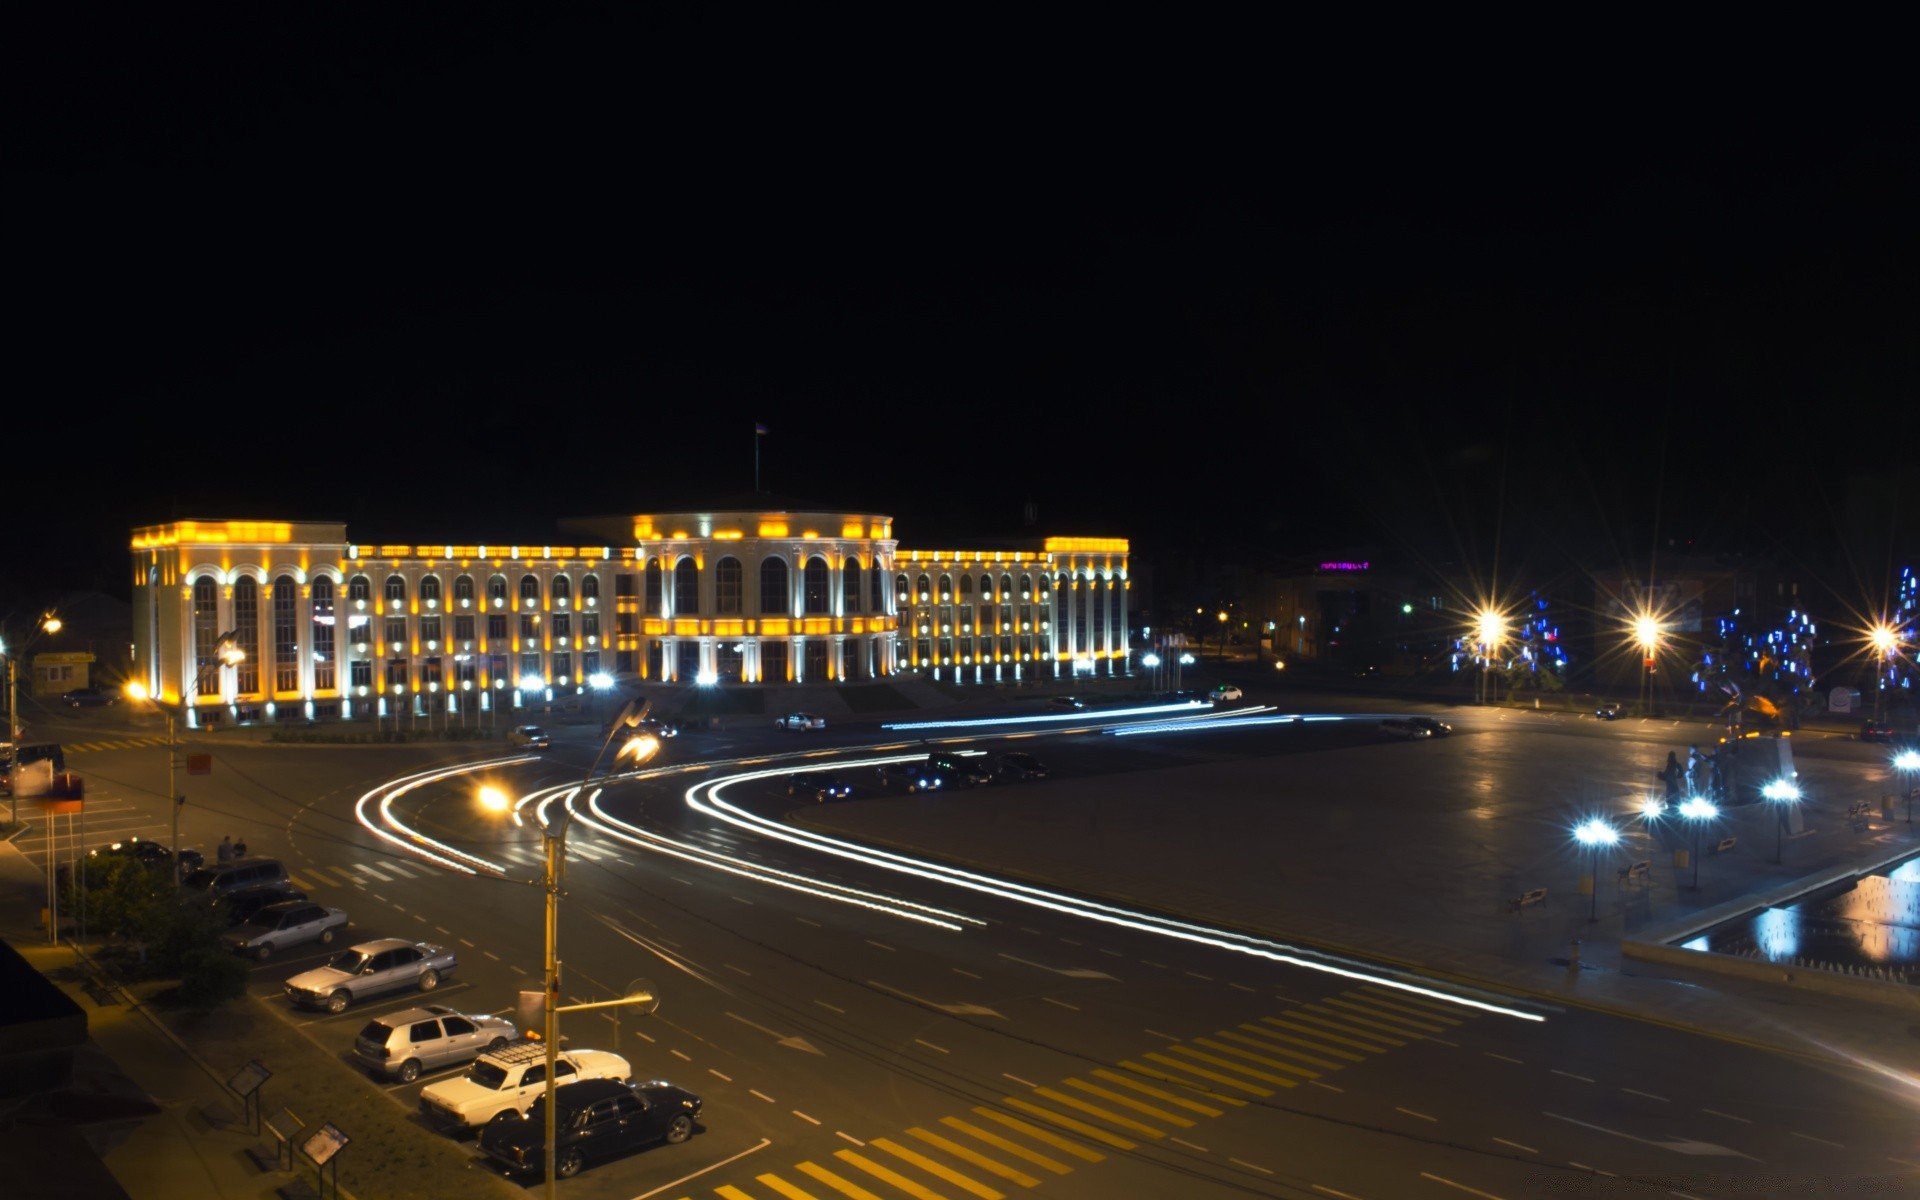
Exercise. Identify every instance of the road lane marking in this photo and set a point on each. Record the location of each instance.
(1147, 1089)
(968, 974)
(675, 1184)
(968, 1154)
(804, 921)
(1243, 987)
(1141, 1106)
(717, 1074)
(1044, 1136)
(804, 1117)
(1327, 1191)
(1421, 1115)
(1677, 1145)
(1014, 1148)
(1810, 1138)
(941, 1170)
(1648, 1095)
(1460, 1186)
(1516, 1145)
(1503, 1058)
(1321, 1034)
(1712, 1112)
(881, 945)
(831, 1008)
(1270, 1047)
(681, 1056)
(776, 1183)
(1061, 1003)
(1181, 1081)
(1065, 1122)
(1319, 1083)
(1187, 1144)
(1390, 1020)
(845, 1187)
(1169, 1037)
(1215, 1076)
(1335, 1015)
(929, 1045)
(1018, 1080)
(738, 970)
(1264, 1061)
(1094, 1110)
(760, 1095)
(1231, 1065)
(1569, 1074)
(1241, 1162)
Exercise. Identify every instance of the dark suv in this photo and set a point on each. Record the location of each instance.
(595, 1118)
(1020, 765)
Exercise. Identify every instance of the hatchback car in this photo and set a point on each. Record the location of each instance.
(1613, 710)
(913, 776)
(1876, 731)
(1020, 765)
(801, 720)
(401, 1045)
(1224, 692)
(241, 907)
(1433, 726)
(285, 923)
(531, 736)
(593, 1119)
(87, 697)
(818, 786)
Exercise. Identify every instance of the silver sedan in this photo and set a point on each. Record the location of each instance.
(288, 923)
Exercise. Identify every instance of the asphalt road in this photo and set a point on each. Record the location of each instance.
(989, 1043)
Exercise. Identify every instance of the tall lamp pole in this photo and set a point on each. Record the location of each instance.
(1646, 632)
(1699, 812)
(1780, 793)
(1596, 835)
(1908, 762)
(1491, 627)
(1884, 640)
(227, 652)
(554, 840)
(48, 623)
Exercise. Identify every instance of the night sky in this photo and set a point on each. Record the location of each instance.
(454, 279)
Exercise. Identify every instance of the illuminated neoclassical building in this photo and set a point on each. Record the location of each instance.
(328, 628)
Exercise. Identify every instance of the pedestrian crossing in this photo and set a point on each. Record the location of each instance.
(310, 879)
(1055, 1130)
(128, 743)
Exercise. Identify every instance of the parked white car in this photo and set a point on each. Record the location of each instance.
(502, 1084)
(1225, 691)
(801, 721)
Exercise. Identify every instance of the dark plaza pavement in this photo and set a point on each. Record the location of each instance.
(1286, 846)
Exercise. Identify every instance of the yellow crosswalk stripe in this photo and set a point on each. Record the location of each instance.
(1266, 1045)
(1264, 1061)
(1244, 1086)
(1334, 1016)
(1094, 1110)
(1113, 1097)
(845, 1187)
(1390, 1019)
(1066, 1122)
(1324, 1036)
(1317, 1047)
(1334, 1020)
(1412, 1008)
(1148, 1089)
(1400, 997)
(933, 1168)
(1040, 1135)
(1185, 1081)
(889, 1176)
(1230, 1065)
(973, 1156)
(731, 1192)
(786, 1189)
(999, 1143)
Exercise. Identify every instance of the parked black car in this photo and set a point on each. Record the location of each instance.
(1876, 731)
(1433, 726)
(594, 1119)
(1017, 764)
(87, 697)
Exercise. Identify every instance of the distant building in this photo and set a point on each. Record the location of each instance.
(756, 592)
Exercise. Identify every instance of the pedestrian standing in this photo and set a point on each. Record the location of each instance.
(1693, 770)
(1717, 777)
(226, 848)
(1671, 775)
(240, 848)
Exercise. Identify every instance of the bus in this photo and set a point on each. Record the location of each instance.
(34, 769)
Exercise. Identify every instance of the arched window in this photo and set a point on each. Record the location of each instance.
(206, 629)
(430, 591)
(562, 591)
(246, 633)
(686, 588)
(878, 587)
(923, 591)
(396, 592)
(589, 590)
(463, 591)
(1026, 587)
(902, 590)
(359, 590)
(773, 587)
(946, 589)
(1006, 588)
(497, 592)
(653, 599)
(966, 589)
(286, 634)
(1046, 585)
(986, 588)
(729, 588)
(815, 585)
(325, 673)
(529, 591)
(850, 586)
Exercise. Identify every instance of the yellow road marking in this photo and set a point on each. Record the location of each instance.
(1094, 1110)
(731, 1192)
(1391, 1018)
(1275, 1063)
(973, 1156)
(1066, 1122)
(1113, 1097)
(1041, 1135)
(1383, 1002)
(784, 1188)
(1014, 1148)
(941, 1169)
(1180, 1080)
(1255, 1088)
(1230, 1065)
(1158, 1093)
(1327, 1017)
(1315, 1045)
(845, 1187)
(1268, 1045)
(895, 1178)
(1334, 1014)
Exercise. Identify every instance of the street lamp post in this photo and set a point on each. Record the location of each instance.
(1646, 633)
(1596, 835)
(554, 840)
(1223, 636)
(1780, 793)
(227, 652)
(1491, 627)
(1698, 811)
(1908, 762)
(1884, 640)
(48, 623)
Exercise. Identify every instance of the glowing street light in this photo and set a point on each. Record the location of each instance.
(554, 838)
(1885, 640)
(1595, 834)
(1779, 793)
(1699, 811)
(1491, 628)
(47, 623)
(227, 652)
(1908, 762)
(1646, 635)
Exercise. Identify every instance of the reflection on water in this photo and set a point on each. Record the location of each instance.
(1874, 923)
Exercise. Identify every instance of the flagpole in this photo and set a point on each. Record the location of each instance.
(756, 460)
